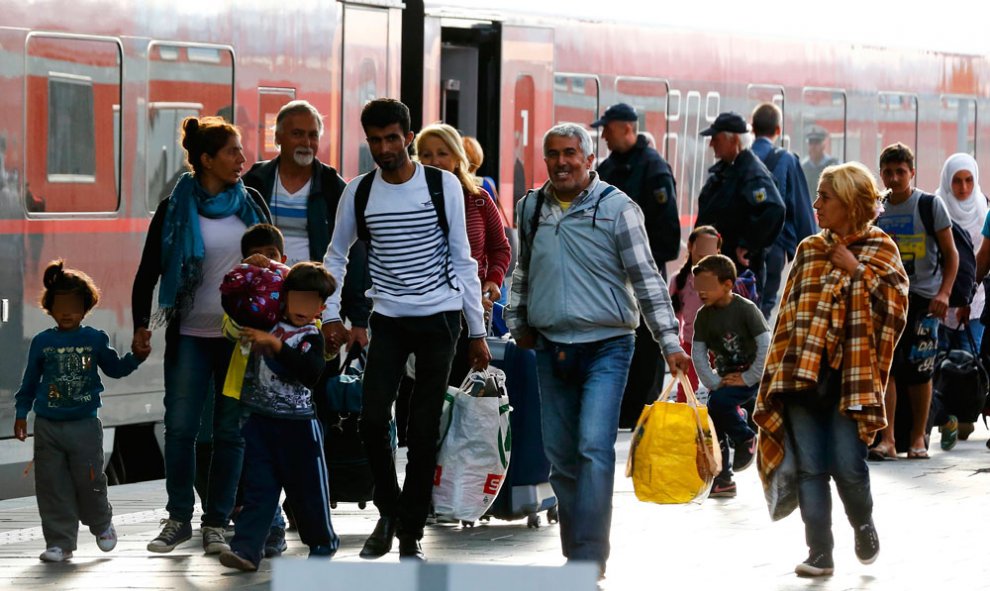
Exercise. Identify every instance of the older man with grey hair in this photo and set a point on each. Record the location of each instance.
(740, 197)
(580, 313)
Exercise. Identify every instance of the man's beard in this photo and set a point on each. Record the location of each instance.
(303, 157)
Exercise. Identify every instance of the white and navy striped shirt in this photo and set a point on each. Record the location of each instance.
(415, 270)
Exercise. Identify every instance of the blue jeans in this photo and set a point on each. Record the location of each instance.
(195, 369)
(775, 262)
(827, 445)
(581, 394)
(723, 407)
(957, 339)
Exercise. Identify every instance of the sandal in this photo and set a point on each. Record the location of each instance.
(881, 453)
(919, 453)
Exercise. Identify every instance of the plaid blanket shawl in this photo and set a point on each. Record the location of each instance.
(856, 319)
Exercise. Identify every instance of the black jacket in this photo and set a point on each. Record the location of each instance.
(321, 210)
(742, 202)
(643, 175)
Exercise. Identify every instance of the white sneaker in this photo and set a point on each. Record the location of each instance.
(107, 541)
(55, 554)
(213, 540)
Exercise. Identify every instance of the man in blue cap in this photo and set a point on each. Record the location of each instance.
(740, 197)
(640, 172)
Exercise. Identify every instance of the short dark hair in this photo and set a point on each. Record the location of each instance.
(310, 276)
(383, 112)
(61, 281)
(261, 235)
(897, 153)
(766, 119)
(718, 265)
(206, 135)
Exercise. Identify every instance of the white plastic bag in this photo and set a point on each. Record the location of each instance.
(475, 444)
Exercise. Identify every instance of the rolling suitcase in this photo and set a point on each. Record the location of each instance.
(526, 491)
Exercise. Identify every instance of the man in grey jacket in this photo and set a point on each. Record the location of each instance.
(580, 311)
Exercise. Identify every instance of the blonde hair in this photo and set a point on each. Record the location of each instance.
(449, 136)
(475, 155)
(856, 188)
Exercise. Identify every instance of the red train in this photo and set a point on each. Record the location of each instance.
(91, 95)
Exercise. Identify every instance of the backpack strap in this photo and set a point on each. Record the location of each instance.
(926, 209)
(434, 182)
(534, 223)
(361, 197)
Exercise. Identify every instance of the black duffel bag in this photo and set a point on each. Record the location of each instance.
(961, 381)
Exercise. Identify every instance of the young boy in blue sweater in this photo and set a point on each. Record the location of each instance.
(61, 383)
(283, 440)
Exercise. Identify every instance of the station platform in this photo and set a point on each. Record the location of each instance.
(932, 517)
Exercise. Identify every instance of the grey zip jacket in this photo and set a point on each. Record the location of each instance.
(580, 277)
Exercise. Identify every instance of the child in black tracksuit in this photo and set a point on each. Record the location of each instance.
(283, 440)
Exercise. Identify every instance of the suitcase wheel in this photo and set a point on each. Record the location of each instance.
(533, 521)
(467, 523)
(362, 505)
(333, 504)
(552, 515)
(487, 518)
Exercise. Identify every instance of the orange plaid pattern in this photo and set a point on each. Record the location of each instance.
(857, 319)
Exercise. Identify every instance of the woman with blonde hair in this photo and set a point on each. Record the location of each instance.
(440, 145)
(843, 309)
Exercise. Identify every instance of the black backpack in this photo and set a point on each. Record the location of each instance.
(964, 288)
(434, 182)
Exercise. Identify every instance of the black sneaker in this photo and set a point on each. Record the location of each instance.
(867, 543)
(818, 564)
(275, 544)
(723, 489)
(173, 533)
(745, 454)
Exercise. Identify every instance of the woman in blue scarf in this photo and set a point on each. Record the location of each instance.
(194, 238)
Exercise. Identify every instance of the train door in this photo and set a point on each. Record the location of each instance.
(526, 110)
(371, 57)
(469, 85)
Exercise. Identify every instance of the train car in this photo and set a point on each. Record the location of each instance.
(92, 94)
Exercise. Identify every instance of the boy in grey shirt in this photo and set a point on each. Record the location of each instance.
(914, 358)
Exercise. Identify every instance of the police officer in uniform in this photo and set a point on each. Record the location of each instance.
(642, 174)
(740, 197)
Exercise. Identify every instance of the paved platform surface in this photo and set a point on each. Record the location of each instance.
(933, 518)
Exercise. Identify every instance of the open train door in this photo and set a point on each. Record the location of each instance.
(527, 110)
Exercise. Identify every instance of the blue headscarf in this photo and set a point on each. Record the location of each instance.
(182, 243)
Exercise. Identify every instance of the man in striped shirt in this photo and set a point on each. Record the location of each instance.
(422, 279)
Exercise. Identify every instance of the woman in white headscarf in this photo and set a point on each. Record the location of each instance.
(960, 190)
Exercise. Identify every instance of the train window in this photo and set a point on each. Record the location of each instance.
(270, 100)
(71, 137)
(822, 132)
(897, 120)
(166, 157)
(73, 144)
(184, 80)
(957, 126)
(576, 98)
(649, 97)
